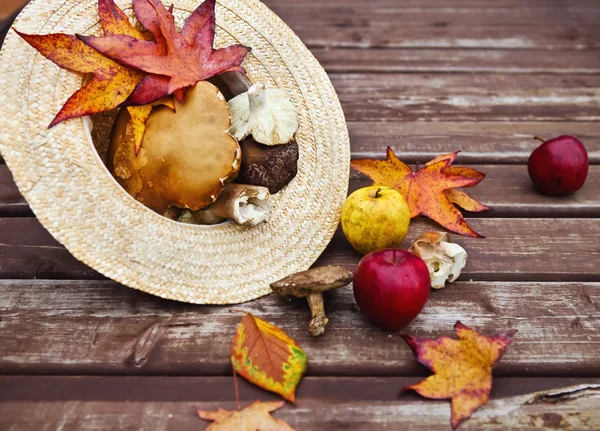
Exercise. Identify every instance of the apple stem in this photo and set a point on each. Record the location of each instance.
(539, 139)
(377, 192)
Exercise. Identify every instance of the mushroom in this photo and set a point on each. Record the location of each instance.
(244, 204)
(187, 156)
(311, 284)
(266, 114)
(271, 167)
(443, 258)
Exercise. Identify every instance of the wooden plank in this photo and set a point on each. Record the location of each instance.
(78, 327)
(11, 202)
(390, 24)
(398, 97)
(27, 250)
(440, 60)
(507, 189)
(481, 142)
(323, 404)
(515, 249)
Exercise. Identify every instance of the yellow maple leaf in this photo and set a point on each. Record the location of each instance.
(463, 368)
(255, 417)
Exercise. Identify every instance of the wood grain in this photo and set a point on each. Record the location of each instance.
(507, 189)
(397, 97)
(77, 327)
(323, 405)
(481, 142)
(454, 24)
(457, 60)
(516, 249)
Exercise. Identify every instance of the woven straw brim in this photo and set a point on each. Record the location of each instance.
(73, 195)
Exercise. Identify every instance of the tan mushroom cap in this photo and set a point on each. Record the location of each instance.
(313, 280)
(187, 156)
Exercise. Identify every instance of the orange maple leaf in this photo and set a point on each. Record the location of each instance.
(255, 417)
(110, 87)
(112, 83)
(430, 190)
(463, 368)
(180, 59)
(267, 357)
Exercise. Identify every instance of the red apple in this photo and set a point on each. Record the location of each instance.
(559, 166)
(391, 287)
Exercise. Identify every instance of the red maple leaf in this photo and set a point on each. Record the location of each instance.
(174, 60)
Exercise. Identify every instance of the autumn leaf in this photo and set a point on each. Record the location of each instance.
(255, 417)
(459, 197)
(114, 21)
(462, 368)
(426, 190)
(185, 58)
(110, 86)
(140, 115)
(267, 357)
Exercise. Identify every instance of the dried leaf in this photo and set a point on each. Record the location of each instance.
(462, 368)
(426, 190)
(139, 117)
(189, 56)
(267, 357)
(255, 417)
(110, 86)
(114, 21)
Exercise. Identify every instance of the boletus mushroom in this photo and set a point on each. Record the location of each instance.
(272, 167)
(311, 284)
(187, 156)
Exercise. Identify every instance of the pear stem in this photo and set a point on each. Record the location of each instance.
(539, 139)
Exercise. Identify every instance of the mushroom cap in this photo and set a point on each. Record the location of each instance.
(187, 156)
(313, 280)
(268, 166)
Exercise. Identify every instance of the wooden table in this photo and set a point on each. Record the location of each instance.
(78, 351)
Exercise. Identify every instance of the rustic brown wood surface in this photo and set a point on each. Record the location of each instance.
(425, 77)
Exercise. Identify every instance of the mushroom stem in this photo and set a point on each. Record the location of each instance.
(257, 97)
(317, 325)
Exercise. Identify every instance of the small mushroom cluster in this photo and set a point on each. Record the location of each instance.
(192, 168)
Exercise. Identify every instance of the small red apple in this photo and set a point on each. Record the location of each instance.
(391, 287)
(559, 166)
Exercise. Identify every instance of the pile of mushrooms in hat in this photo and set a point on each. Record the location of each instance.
(209, 160)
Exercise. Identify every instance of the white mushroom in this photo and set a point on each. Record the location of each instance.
(266, 114)
(443, 258)
(244, 204)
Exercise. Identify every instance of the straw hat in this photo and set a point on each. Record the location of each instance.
(62, 176)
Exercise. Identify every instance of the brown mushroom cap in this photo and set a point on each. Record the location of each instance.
(187, 156)
(314, 280)
(268, 166)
